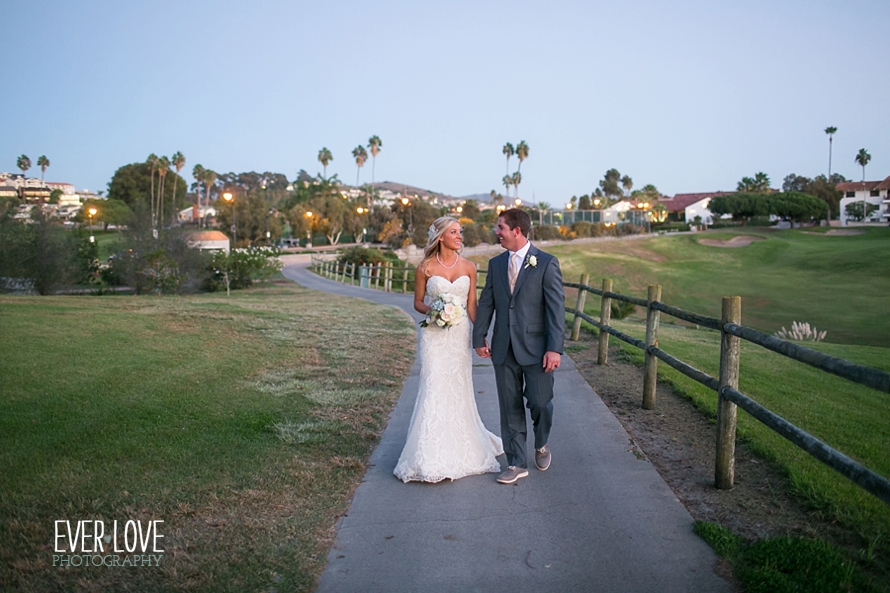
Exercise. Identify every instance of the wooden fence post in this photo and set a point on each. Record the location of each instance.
(377, 275)
(650, 364)
(387, 283)
(405, 279)
(579, 306)
(724, 469)
(602, 356)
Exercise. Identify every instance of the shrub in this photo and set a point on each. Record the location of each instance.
(582, 229)
(546, 232)
(360, 256)
(240, 268)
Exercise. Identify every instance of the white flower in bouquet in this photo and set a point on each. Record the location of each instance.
(445, 311)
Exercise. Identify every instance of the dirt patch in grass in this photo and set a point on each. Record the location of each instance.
(737, 241)
(679, 440)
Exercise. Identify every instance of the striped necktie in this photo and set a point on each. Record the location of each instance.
(513, 272)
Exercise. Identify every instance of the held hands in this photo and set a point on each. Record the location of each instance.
(484, 351)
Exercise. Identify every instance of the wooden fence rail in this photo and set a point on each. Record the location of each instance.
(726, 385)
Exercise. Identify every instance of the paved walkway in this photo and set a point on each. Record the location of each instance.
(599, 520)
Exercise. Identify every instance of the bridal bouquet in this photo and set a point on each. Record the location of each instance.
(445, 311)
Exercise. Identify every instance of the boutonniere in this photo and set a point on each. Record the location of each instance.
(531, 260)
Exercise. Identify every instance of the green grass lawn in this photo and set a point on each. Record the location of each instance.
(837, 283)
(242, 422)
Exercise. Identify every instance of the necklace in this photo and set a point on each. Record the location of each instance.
(456, 257)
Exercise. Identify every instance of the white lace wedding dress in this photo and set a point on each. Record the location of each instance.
(446, 438)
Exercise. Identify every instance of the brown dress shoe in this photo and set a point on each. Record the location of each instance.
(511, 474)
(542, 458)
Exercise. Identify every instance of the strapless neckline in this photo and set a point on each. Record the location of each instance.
(450, 281)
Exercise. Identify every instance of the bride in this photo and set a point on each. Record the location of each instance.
(446, 438)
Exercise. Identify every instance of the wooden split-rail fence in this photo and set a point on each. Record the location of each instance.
(726, 384)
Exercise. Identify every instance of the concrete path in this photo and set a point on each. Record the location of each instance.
(599, 520)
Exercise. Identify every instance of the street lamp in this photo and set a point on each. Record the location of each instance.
(308, 216)
(228, 197)
(407, 203)
(92, 213)
(517, 202)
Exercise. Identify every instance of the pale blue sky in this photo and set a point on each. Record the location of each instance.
(689, 95)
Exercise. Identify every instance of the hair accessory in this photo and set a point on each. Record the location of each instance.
(432, 232)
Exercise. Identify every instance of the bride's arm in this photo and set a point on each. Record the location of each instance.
(420, 290)
(471, 297)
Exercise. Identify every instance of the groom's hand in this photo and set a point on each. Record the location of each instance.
(484, 351)
(551, 361)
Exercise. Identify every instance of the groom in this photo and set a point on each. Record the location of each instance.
(524, 289)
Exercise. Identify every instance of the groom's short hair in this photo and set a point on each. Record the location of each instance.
(514, 217)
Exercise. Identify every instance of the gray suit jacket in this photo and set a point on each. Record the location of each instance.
(532, 318)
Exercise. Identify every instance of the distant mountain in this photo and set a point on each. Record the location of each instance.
(486, 198)
(403, 188)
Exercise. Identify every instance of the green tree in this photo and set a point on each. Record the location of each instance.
(508, 151)
(131, 184)
(797, 183)
(507, 181)
(374, 145)
(797, 207)
(543, 207)
(516, 179)
(361, 155)
(325, 157)
(742, 206)
(521, 153)
(830, 130)
(826, 191)
(470, 210)
(43, 163)
(23, 163)
(584, 203)
(855, 210)
(609, 184)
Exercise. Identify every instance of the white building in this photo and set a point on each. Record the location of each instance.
(872, 192)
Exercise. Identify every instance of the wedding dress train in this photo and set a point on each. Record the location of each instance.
(446, 438)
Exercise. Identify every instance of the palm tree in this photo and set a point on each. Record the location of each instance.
(163, 169)
(43, 163)
(361, 155)
(521, 153)
(209, 178)
(23, 163)
(761, 182)
(179, 163)
(508, 181)
(198, 174)
(627, 183)
(830, 130)
(325, 157)
(374, 145)
(542, 208)
(153, 161)
(509, 151)
(862, 158)
(517, 179)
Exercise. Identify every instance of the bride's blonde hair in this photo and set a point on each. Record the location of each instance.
(436, 230)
